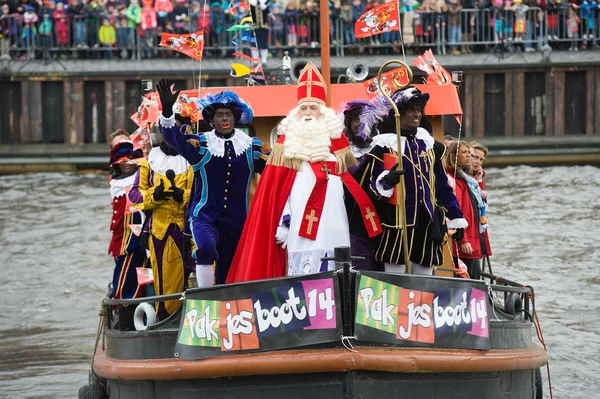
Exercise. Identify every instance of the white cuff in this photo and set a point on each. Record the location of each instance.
(457, 224)
(386, 193)
(167, 123)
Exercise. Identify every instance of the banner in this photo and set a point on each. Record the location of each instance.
(380, 19)
(191, 44)
(408, 310)
(260, 316)
(390, 82)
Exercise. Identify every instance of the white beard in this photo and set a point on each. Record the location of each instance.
(307, 140)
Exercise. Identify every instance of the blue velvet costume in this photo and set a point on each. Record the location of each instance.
(223, 170)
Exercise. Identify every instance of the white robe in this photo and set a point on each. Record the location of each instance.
(304, 255)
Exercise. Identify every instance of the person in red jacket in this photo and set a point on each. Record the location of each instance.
(477, 159)
(469, 248)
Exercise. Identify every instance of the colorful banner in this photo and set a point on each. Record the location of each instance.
(406, 310)
(260, 316)
(191, 44)
(390, 82)
(380, 19)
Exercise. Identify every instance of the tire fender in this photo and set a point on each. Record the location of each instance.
(144, 310)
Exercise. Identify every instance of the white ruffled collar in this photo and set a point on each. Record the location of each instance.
(360, 151)
(216, 145)
(161, 162)
(390, 140)
(118, 186)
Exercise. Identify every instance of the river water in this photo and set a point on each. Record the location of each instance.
(54, 270)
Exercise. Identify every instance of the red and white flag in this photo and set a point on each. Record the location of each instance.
(380, 19)
(191, 44)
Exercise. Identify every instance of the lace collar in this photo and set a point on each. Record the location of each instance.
(118, 186)
(390, 140)
(161, 162)
(216, 145)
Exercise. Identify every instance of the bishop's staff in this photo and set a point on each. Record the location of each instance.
(400, 206)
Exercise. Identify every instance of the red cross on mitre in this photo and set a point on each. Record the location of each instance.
(311, 86)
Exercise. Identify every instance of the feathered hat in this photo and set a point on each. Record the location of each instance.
(225, 99)
(353, 109)
(379, 109)
(311, 85)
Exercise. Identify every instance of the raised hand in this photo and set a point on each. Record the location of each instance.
(167, 97)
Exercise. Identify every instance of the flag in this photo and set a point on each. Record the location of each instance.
(436, 73)
(390, 81)
(191, 44)
(380, 19)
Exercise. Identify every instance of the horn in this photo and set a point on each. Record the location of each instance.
(358, 71)
(297, 67)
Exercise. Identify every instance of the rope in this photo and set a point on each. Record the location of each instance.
(540, 335)
(101, 332)
(400, 32)
(347, 343)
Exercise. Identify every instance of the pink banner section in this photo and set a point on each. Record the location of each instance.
(320, 301)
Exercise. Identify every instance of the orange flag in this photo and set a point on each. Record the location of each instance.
(191, 44)
(380, 19)
(390, 81)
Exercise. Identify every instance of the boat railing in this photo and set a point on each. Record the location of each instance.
(517, 297)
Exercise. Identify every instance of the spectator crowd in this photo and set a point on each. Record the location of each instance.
(127, 29)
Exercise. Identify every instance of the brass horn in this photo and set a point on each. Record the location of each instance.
(400, 205)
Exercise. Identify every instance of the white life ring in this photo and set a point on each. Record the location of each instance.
(144, 310)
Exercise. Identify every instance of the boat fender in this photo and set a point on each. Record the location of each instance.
(539, 392)
(144, 310)
(513, 303)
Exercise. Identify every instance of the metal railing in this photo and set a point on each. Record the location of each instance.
(471, 29)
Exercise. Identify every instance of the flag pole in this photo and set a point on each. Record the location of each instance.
(400, 203)
(325, 50)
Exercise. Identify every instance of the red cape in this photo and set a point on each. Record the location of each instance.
(258, 256)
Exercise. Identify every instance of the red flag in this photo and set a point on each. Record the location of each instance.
(435, 72)
(380, 19)
(191, 44)
(390, 81)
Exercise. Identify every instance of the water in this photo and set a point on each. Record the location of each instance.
(55, 270)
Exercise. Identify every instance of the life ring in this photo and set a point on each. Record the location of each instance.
(144, 310)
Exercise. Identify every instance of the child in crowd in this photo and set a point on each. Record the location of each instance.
(163, 10)
(61, 27)
(30, 20)
(181, 17)
(194, 16)
(291, 15)
(204, 23)
(277, 26)
(509, 20)
(107, 37)
(520, 10)
(148, 28)
(454, 28)
(573, 28)
(5, 30)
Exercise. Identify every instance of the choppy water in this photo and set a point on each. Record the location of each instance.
(54, 271)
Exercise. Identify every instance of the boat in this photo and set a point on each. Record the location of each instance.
(339, 334)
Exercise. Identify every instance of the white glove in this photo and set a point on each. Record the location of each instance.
(205, 275)
(281, 236)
